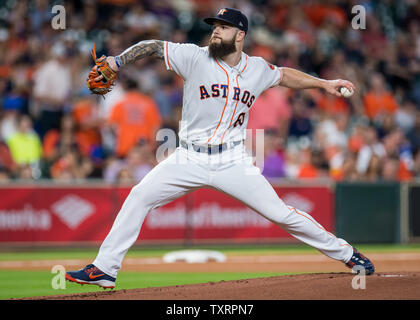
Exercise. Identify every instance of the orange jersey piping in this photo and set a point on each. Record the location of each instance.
(227, 98)
(231, 119)
(167, 57)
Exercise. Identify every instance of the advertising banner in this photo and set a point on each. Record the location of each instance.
(59, 214)
(211, 215)
(55, 214)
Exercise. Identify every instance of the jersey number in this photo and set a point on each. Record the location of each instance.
(240, 120)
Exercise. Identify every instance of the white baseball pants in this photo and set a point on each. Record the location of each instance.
(231, 172)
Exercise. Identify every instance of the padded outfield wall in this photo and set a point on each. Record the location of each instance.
(83, 213)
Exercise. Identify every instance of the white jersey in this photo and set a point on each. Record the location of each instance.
(217, 97)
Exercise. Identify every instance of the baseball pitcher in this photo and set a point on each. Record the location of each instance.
(221, 83)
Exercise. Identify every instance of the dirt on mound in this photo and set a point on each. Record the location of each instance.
(325, 286)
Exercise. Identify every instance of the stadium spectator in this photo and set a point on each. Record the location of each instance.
(379, 100)
(373, 38)
(40, 15)
(397, 146)
(125, 177)
(371, 147)
(4, 176)
(87, 122)
(57, 142)
(416, 164)
(25, 145)
(405, 117)
(413, 135)
(331, 139)
(312, 165)
(332, 105)
(134, 118)
(52, 90)
(8, 124)
(274, 158)
(271, 111)
(373, 170)
(71, 165)
(142, 22)
(390, 170)
(138, 163)
(346, 170)
(300, 122)
(7, 164)
(168, 99)
(25, 173)
(292, 160)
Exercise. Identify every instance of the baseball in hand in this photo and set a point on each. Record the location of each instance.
(346, 93)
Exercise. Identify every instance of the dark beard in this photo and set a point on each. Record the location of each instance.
(219, 50)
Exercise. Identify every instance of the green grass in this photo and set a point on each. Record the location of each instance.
(20, 284)
(139, 252)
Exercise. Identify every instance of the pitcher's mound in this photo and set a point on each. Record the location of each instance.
(319, 286)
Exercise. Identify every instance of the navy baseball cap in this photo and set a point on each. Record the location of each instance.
(231, 16)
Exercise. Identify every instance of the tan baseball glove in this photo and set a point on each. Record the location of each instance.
(103, 69)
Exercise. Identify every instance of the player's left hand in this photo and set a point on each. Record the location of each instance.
(333, 86)
(102, 76)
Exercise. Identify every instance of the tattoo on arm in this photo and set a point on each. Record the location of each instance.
(141, 50)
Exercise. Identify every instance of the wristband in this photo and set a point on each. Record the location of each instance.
(118, 61)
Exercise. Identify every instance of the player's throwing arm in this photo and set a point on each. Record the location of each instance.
(296, 79)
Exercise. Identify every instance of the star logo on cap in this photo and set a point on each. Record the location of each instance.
(221, 12)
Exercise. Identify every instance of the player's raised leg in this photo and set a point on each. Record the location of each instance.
(169, 180)
(241, 182)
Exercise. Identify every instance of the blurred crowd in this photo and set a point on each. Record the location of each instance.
(51, 127)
